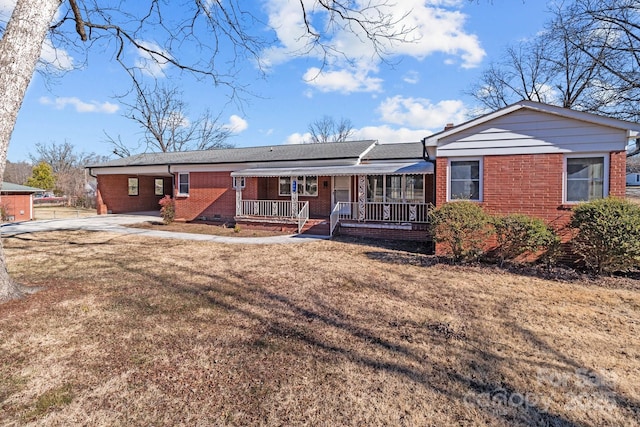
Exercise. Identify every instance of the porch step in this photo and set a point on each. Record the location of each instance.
(318, 227)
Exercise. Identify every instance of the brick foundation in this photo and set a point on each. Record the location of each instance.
(415, 232)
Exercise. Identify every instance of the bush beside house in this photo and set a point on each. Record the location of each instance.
(605, 235)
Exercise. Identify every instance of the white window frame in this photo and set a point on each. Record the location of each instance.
(480, 161)
(605, 178)
(301, 183)
(161, 187)
(133, 190)
(181, 194)
(403, 188)
(241, 180)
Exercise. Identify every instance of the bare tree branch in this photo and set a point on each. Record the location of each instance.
(327, 129)
(163, 116)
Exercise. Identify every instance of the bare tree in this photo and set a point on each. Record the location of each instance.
(612, 28)
(216, 30)
(576, 62)
(163, 115)
(20, 49)
(17, 172)
(327, 129)
(67, 164)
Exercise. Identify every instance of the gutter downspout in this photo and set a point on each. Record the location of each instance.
(173, 181)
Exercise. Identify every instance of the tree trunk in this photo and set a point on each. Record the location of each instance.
(20, 49)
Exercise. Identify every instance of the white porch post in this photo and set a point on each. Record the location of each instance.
(362, 196)
(294, 196)
(238, 201)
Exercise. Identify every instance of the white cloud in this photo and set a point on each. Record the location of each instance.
(386, 134)
(58, 58)
(438, 28)
(80, 106)
(236, 124)
(298, 138)
(414, 118)
(345, 81)
(421, 113)
(412, 77)
(152, 64)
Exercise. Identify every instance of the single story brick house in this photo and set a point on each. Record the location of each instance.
(529, 158)
(16, 201)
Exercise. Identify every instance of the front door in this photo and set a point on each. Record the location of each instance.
(341, 193)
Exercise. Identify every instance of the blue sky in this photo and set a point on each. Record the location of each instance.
(414, 96)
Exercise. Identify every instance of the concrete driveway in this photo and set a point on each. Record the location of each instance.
(116, 223)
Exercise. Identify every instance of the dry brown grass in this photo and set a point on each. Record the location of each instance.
(206, 228)
(139, 331)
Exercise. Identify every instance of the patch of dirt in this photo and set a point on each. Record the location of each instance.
(202, 227)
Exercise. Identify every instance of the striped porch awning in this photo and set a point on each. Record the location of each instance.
(420, 167)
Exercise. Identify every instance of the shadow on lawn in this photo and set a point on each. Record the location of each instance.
(333, 334)
(313, 327)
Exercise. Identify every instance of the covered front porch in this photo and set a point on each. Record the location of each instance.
(393, 196)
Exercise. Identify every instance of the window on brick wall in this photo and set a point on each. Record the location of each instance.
(585, 178)
(305, 186)
(133, 186)
(183, 184)
(395, 188)
(239, 182)
(465, 179)
(158, 187)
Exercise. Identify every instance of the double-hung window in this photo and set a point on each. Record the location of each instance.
(183, 184)
(465, 179)
(305, 186)
(585, 178)
(132, 185)
(158, 187)
(395, 188)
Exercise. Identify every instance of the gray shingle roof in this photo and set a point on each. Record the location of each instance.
(9, 187)
(410, 150)
(275, 153)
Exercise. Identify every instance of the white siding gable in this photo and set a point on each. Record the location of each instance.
(527, 131)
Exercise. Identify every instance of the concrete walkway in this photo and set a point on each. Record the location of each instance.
(116, 223)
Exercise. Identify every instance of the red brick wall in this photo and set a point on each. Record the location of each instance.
(211, 195)
(319, 206)
(418, 233)
(531, 184)
(617, 174)
(14, 204)
(113, 194)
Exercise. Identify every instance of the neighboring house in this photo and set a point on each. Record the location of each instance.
(16, 202)
(529, 157)
(633, 179)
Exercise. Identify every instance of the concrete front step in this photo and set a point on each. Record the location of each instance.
(318, 227)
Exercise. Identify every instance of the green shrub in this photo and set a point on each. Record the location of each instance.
(462, 228)
(518, 234)
(168, 209)
(607, 234)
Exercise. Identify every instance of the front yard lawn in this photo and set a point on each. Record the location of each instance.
(137, 331)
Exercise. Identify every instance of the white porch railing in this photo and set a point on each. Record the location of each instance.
(381, 212)
(303, 216)
(276, 209)
(270, 208)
